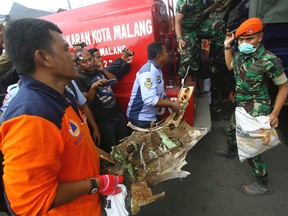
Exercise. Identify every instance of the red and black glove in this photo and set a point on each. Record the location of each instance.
(108, 184)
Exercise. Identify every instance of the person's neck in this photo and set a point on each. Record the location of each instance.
(56, 83)
(158, 63)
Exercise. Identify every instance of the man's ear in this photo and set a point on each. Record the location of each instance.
(43, 57)
(261, 34)
(159, 56)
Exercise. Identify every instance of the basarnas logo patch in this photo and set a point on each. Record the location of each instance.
(74, 129)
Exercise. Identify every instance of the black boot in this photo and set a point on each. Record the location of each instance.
(230, 153)
(259, 187)
(227, 154)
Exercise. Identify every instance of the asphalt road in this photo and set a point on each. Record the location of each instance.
(213, 187)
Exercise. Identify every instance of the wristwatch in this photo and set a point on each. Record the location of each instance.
(94, 187)
(178, 38)
(227, 47)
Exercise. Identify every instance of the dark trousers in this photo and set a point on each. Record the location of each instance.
(112, 130)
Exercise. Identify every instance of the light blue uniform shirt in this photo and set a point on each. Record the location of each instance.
(147, 89)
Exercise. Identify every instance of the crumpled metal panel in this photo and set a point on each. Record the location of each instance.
(142, 195)
(150, 156)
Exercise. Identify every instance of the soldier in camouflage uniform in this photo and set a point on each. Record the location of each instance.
(192, 24)
(253, 67)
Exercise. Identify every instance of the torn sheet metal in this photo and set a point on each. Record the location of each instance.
(150, 156)
(142, 195)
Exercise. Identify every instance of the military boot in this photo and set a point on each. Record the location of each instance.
(230, 152)
(259, 187)
(227, 154)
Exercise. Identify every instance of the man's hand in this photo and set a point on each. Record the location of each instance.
(108, 184)
(223, 7)
(175, 106)
(98, 83)
(181, 45)
(96, 136)
(274, 121)
(127, 55)
(166, 102)
(213, 7)
(129, 59)
(229, 39)
(99, 65)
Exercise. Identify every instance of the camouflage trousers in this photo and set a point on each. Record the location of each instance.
(256, 163)
(212, 29)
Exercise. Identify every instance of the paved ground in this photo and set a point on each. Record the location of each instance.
(213, 187)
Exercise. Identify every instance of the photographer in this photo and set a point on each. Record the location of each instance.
(120, 66)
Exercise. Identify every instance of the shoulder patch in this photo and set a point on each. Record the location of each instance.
(148, 83)
(158, 79)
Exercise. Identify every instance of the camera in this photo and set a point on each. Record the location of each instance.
(128, 52)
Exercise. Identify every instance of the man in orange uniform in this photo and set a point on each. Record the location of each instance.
(51, 166)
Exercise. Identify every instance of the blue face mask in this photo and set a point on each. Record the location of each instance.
(246, 48)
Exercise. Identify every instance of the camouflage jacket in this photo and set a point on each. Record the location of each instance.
(192, 11)
(252, 73)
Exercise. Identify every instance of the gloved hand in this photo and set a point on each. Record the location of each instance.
(108, 184)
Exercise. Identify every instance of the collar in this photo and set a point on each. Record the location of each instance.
(34, 84)
(152, 62)
(260, 50)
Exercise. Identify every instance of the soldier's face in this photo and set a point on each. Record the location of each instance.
(252, 39)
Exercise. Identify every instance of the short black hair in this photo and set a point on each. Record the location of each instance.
(154, 49)
(91, 51)
(82, 44)
(23, 37)
(79, 54)
(81, 50)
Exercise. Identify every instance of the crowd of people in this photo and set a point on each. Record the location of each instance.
(65, 99)
(60, 104)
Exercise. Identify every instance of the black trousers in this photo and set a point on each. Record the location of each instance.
(112, 130)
